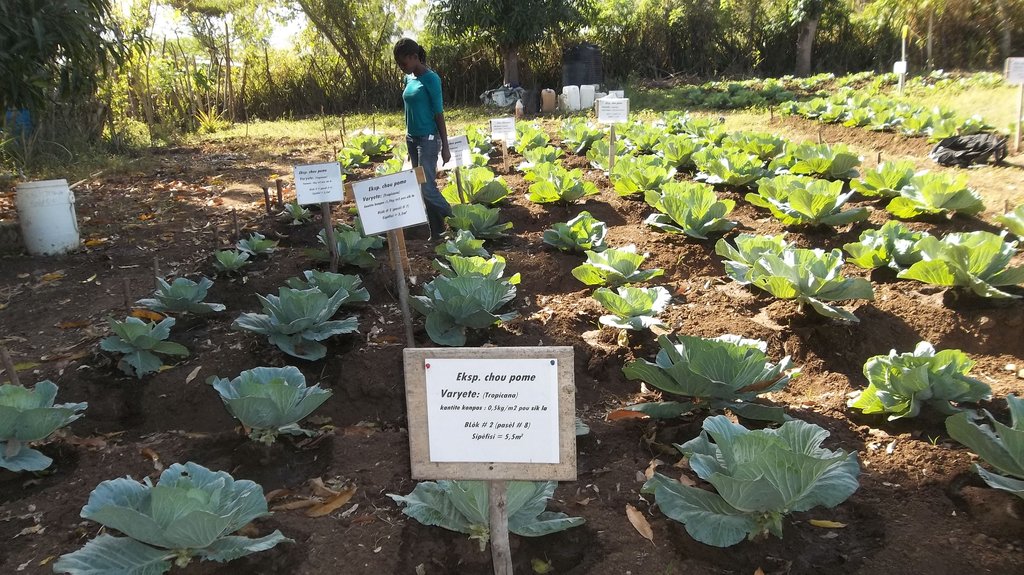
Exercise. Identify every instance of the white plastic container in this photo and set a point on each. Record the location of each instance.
(597, 101)
(46, 213)
(587, 92)
(617, 93)
(572, 97)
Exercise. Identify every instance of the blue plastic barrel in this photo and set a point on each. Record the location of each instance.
(18, 122)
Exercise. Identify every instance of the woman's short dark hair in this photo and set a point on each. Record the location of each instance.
(408, 46)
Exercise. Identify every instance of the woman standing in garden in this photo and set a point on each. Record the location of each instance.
(425, 128)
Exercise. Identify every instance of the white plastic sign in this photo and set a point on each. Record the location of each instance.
(319, 183)
(613, 110)
(1015, 70)
(503, 129)
(481, 410)
(389, 202)
(459, 147)
(899, 67)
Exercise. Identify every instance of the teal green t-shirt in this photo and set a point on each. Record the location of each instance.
(422, 97)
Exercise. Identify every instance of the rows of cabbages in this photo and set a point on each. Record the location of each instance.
(677, 165)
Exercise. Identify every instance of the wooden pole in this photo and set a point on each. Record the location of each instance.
(504, 153)
(234, 224)
(332, 244)
(611, 147)
(1020, 112)
(216, 235)
(903, 58)
(343, 131)
(501, 551)
(126, 287)
(403, 288)
(12, 373)
(156, 271)
(280, 193)
(458, 184)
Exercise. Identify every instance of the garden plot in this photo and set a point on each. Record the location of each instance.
(918, 501)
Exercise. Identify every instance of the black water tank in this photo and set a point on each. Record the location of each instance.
(581, 64)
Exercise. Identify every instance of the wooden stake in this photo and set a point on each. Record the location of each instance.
(156, 271)
(1020, 112)
(12, 373)
(343, 131)
(404, 253)
(403, 288)
(821, 138)
(234, 223)
(501, 551)
(280, 193)
(611, 147)
(216, 235)
(504, 153)
(266, 199)
(878, 158)
(332, 245)
(126, 286)
(458, 184)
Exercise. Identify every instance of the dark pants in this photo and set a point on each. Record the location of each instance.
(423, 151)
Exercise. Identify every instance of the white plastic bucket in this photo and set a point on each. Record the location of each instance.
(587, 92)
(46, 212)
(572, 97)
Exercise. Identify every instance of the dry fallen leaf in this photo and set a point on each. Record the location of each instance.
(826, 524)
(758, 571)
(146, 314)
(192, 374)
(320, 490)
(625, 414)
(650, 468)
(276, 494)
(152, 456)
(33, 530)
(332, 505)
(95, 443)
(639, 523)
(95, 242)
(72, 324)
(52, 276)
(299, 504)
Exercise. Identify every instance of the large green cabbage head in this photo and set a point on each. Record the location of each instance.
(270, 401)
(28, 415)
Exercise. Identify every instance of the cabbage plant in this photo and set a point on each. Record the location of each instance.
(463, 506)
(463, 244)
(677, 150)
(893, 246)
(598, 154)
(543, 155)
(704, 127)
(739, 259)
(633, 308)
(256, 245)
(717, 166)
(899, 384)
(831, 162)
(935, 193)
(451, 305)
(353, 248)
(528, 137)
(296, 321)
(637, 175)
(999, 445)
(481, 221)
(578, 134)
(641, 138)
(191, 512)
(230, 261)
(884, 181)
(1013, 221)
(351, 158)
(479, 140)
(140, 341)
(978, 261)
(759, 476)
(182, 295)
(689, 208)
(561, 185)
(479, 185)
(28, 415)
(801, 200)
(371, 144)
(298, 214)
(764, 146)
(614, 267)
(726, 372)
(270, 401)
(582, 233)
(456, 266)
(330, 284)
(811, 277)
(389, 166)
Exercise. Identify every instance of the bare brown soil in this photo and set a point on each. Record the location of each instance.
(919, 509)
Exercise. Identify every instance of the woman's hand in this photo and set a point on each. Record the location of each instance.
(446, 154)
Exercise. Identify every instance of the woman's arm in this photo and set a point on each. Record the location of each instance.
(442, 131)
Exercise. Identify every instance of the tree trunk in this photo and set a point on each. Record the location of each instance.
(931, 37)
(510, 60)
(805, 45)
(227, 73)
(1006, 29)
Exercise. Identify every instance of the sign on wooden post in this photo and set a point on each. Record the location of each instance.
(1015, 75)
(494, 414)
(388, 204)
(320, 184)
(504, 129)
(612, 111)
(461, 156)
